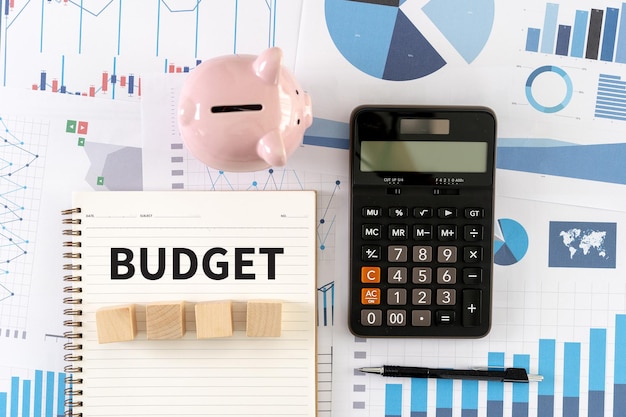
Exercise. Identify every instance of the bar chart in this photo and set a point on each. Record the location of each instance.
(41, 395)
(597, 34)
(611, 98)
(550, 355)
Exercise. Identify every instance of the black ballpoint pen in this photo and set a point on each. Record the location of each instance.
(502, 375)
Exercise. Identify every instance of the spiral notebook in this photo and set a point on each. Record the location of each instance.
(139, 248)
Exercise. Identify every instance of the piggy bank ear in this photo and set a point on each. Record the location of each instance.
(267, 65)
(271, 149)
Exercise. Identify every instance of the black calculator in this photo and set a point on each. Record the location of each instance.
(422, 207)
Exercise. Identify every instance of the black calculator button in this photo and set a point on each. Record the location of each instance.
(422, 232)
(371, 212)
(371, 253)
(420, 318)
(398, 212)
(446, 232)
(398, 232)
(472, 300)
(472, 276)
(371, 317)
(473, 233)
(472, 254)
(371, 231)
(444, 317)
(447, 213)
(474, 213)
(423, 212)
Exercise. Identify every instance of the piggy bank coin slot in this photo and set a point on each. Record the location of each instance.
(236, 108)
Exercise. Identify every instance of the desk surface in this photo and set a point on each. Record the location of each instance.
(86, 103)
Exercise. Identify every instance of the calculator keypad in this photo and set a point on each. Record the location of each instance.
(424, 271)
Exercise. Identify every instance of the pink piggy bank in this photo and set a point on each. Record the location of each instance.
(243, 112)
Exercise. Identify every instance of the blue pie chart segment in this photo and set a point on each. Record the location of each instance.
(512, 244)
(378, 38)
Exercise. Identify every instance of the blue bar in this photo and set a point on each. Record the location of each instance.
(562, 40)
(597, 372)
(469, 398)
(580, 33)
(50, 394)
(15, 395)
(619, 391)
(419, 397)
(549, 28)
(38, 394)
(6, 7)
(532, 39)
(61, 394)
(610, 32)
(393, 400)
(26, 398)
(521, 391)
(113, 79)
(131, 84)
(42, 81)
(620, 53)
(444, 398)
(545, 400)
(3, 403)
(571, 379)
(495, 390)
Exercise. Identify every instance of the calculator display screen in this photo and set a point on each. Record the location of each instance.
(424, 156)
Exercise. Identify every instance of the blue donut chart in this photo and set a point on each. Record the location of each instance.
(568, 85)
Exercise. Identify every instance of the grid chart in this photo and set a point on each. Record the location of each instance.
(21, 174)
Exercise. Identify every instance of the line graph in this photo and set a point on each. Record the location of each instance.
(20, 177)
(63, 39)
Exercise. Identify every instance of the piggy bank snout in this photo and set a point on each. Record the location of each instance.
(307, 114)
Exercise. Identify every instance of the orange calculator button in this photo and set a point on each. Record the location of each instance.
(370, 274)
(370, 296)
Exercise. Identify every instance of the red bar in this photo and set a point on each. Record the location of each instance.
(171, 68)
(35, 87)
(55, 86)
(179, 69)
(92, 91)
(123, 81)
(12, 4)
(105, 82)
(139, 87)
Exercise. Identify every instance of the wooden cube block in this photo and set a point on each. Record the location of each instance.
(116, 324)
(214, 319)
(165, 320)
(264, 318)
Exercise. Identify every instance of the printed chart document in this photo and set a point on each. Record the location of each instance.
(140, 248)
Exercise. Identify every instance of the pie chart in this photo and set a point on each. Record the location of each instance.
(400, 40)
(510, 243)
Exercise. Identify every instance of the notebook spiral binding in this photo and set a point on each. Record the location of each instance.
(73, 312)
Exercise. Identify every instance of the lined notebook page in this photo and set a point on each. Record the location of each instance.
(232, 376)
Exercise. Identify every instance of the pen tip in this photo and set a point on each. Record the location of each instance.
(369, 370)
(535, 378)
